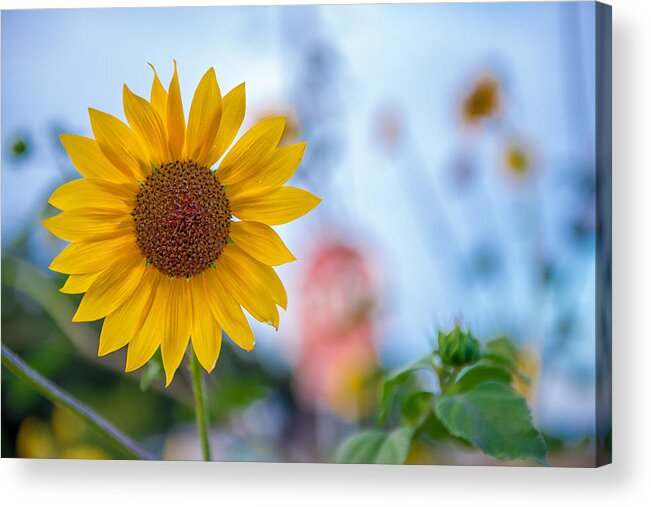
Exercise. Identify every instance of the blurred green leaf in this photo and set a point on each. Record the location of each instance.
(553, 443)
(26, 278)
(502, 350)
(434, 429)
(496, 419)
(503, 353)
(153, 372)
(396, 446)
(481, 372)
(416, 408)
(361, 447)
(231, 394)
(396, 380)
(376, 446)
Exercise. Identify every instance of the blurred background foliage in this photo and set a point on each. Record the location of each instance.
(453, 147)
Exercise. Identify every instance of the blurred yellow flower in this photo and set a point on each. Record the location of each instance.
(34, 440)
(154, 245)
(483, 101)
(63, 438)
(349, 388)
(529, 365)
(517, 160)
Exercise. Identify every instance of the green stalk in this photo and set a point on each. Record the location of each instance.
(199, 389)
(61, 398)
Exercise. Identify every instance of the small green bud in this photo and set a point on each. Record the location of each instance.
(458, 348)
(19, 147)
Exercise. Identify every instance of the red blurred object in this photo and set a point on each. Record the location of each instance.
(336, 321)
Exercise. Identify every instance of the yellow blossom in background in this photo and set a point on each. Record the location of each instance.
(528, 364)
(350, 389)
(155, 244)
(420, 454)
(62, 438)
(517, 160)
(482, 102)
(35, 440)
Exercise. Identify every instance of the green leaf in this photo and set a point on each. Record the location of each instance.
(361, 447)
(554, 443)
(416, 408)
(481, 372)
(503, 351)
(395, 381)
(434, 429)
(395, 448)
(153, 372)
(496, 419)
(376, 446)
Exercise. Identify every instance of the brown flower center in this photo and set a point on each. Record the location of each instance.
(182, 218)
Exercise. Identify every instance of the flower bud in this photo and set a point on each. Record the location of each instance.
(458, 348)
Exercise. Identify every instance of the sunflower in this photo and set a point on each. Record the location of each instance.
(165, 248)
(483, 101)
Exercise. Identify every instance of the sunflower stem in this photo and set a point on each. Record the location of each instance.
(199, 389)
(61, 398)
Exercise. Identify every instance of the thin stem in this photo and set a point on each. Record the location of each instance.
(60, 397)
(199, 389)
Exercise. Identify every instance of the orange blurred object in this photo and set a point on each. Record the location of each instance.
(483, 101)
(338, 356)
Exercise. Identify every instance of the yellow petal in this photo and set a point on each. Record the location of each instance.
(203, 121)
(242, 278)
(252, 151)
(283, 164)
(206, 333)
(259, 275)
(276, 288)
(178, 326)
(227, 312)
(175, 117)
(148, 337)
(89, 224)
(233, 107)
(80, 257)
(158, 97)
(261, 242)
(89, 160)
(85, 193)
(277, 207)
(78, 284)
(119, 144)
(112, 287)
(147, 125)
(121, 325)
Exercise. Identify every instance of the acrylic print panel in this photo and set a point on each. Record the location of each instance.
(339, 234)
